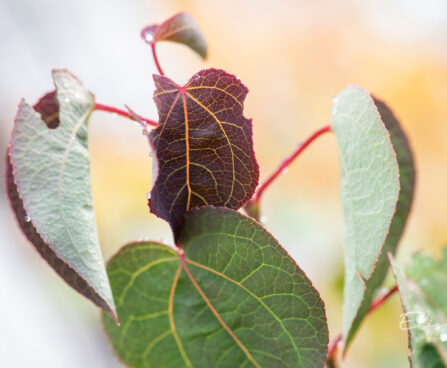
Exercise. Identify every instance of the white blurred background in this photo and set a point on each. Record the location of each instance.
(294, 56)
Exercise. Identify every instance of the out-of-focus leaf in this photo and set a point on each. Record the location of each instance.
(48, 108)
(407, 181)
(422, 289)
(50, 190)
(180, 28)
(370, 190)
(232, 297)
(203, 145)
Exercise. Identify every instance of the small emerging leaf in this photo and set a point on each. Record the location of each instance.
(203, 145)
(234, 298)
(49, 186)
(407, 181)
(370, 190)
(422, 289)
(180, 28)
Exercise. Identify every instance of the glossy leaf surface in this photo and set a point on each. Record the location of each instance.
(180, 28)
(50, 191)
(407, 181)
(369, 192)
(203, 145)
(233, 299)
(422, 288)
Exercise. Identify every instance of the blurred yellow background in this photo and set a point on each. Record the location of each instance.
(294, 56)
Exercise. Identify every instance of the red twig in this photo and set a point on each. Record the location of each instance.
(287, 161)
(382, 299)
(124, 113)
(154, 54)
(332, 348)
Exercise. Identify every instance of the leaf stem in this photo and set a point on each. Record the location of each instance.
(126, 114)
(154, 55)
(286, 162)
(333, 345)
(382, 299)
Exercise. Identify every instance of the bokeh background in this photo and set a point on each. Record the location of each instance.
(294, 56)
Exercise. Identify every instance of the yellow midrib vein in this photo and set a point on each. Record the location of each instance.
(185, 110)
(218, 317)
(254, 296)
(171, 317)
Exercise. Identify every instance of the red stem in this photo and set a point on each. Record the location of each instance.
(123, 113)
(154, 54)
(332, 348)
(287, 161)
(382, 299)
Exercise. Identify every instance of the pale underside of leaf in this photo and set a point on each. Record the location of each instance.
(370, 190)
(424, 301)
(51, 169)
(63, 269)
(234, 298)
(407, 174)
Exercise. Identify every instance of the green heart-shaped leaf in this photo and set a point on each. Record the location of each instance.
(231, 297)
(369, 193)
(50, 190)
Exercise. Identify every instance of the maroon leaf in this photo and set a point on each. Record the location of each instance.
(68, 274)
(203, 145)
(48, 107)
(180, 28)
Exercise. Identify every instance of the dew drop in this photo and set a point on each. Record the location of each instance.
(148, 195)
(285, 170)
(27, 219)
(263, 219)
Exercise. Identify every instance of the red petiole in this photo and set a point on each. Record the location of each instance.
(333, 345)
(286, 162)
(154, 55)
(143, 121)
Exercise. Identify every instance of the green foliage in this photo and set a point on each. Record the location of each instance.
(424, 300)
(232, 297)
(227, 294)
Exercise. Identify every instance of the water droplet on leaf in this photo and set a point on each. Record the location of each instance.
(263, 219)
(148, 195)
(285, 170)
(148, 36)
(27, 219)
